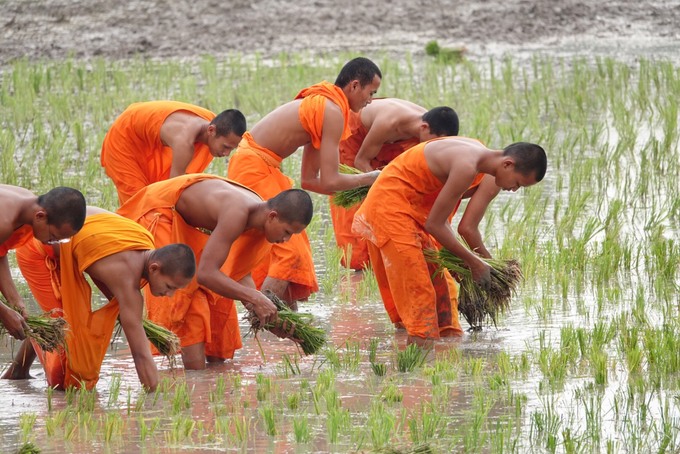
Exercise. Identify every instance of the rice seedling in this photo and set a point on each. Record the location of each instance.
(349, 197)
(425, 423)
(114, 389)
(291, 325)
(268, 415)
(264, 387)
(379, 369)
(474, 302)
(337, 422)
(28, 448)
(48, 329)
(113, 425)
(293, 401)
(181, 399)
(26, 424)
(391, 394)
(380, 425)
(411, 358)
(165, 341)
(301, 430)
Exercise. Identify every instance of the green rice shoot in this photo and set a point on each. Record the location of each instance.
(166, 342)
(350, 197)
(475, 303)
(291, 325)
(46, 329)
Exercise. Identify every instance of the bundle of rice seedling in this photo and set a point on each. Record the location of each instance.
(474, 302)
(165, 341)
(350, 197)
(48, 331)
(291, 325)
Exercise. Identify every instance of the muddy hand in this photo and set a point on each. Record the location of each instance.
(14, 323)
(264, 309)
(481, 274)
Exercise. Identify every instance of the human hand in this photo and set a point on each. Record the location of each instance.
(481, 273)
(264, 309)
(14, 322)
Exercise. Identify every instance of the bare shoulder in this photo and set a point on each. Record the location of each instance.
(203, 203)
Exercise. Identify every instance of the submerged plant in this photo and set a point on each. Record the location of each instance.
(411, 357)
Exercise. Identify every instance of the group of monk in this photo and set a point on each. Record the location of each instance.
(184, 245)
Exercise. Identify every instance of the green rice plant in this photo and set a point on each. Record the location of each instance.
(113, 425)
(474, 302)
(240, 430)
(352, 356)
(54, 422)
(373, 349)
(220, 389)
(380, 425)
(290, 365)
(291, 325)
(114, 389)
(147, 430)
(391, 394)
(268, 415)
(264, 387)
(337, 422)
(26, 424)
(181, 399)
(426, 423)
(28, 448)
(301, 429)
(349, 197)
(411, 358)
(379, 369)
(293, 400)
(48, 329)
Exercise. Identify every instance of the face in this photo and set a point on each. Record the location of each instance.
(508, 179)
(359, 97)
(163, 285)
(221, 146)
(278, 231)
(51, 234)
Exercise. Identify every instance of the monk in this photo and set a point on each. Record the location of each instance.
(229, 227)
(119, 257)
(50, 218)
(156, 140)
(317, 119)
(382, 131)
(424, 185)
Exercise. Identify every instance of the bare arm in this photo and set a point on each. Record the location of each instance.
(468, 227)
(113, 276)
(438, 225)
(230, 225)
(319, 172)
(179, 133)
(378, 134)
(11, 319)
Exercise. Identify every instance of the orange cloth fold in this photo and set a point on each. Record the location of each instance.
(89, 330)
(257, 168)
(18, 238)
(313, 106)
(194, 313)
(133, 154)
(424, 301)
(342, 217)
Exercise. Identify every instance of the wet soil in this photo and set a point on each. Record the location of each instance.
(54, 29)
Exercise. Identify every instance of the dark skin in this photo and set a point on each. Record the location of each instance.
(20, 207)
(228, 210)
(118, 276)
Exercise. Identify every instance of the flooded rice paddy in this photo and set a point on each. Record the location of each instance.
(588, 359)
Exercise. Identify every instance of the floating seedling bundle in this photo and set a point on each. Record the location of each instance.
(46, 329)
(476, 303)
(350, 197)
(291, 325)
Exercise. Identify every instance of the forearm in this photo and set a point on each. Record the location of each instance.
(7, 287)
(363, 163)
(339, 182)
(141, 353)
(473, 238)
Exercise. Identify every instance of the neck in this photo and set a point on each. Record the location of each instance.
(489, 161)
(202, 136)
(257, 217)
(146, 258)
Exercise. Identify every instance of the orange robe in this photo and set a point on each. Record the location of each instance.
(133, 154)
(64, 286)
(342, 217)
(412, 292)
(18, 238)
(194, 313)
(260, 169)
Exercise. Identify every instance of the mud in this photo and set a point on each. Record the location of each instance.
(54, 29)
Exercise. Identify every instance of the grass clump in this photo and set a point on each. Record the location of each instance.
(291, 325)
(411, 357)
(165, 341)
(349, 197)
(46, 329)
(476, 303)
